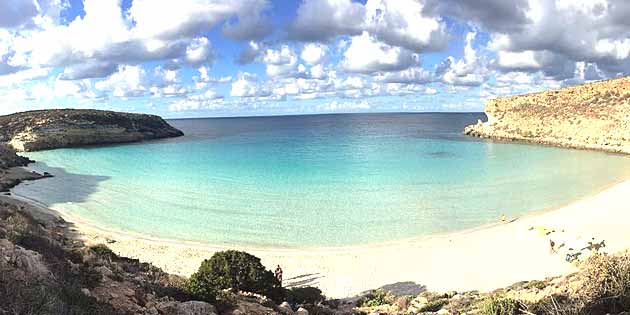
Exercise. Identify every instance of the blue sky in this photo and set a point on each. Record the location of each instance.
(198, 58)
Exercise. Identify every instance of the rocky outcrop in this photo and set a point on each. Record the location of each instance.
(58, 128)
(8, 158)
(591, 116)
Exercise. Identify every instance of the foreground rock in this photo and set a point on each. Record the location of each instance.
(58, 128)
(590, 116)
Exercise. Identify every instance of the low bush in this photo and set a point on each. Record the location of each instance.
(606, 283)
(233, 270)
(376, 298)
(103, 251)
(434, 306)
(496, 305)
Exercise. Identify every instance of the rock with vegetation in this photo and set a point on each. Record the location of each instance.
(590, 116)
(58, 128)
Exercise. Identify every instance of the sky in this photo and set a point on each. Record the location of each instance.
(205, 58)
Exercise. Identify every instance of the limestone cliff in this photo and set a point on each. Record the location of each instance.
(590, 116)
(49, 129)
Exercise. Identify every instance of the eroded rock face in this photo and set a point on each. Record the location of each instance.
(49, 129)
(590, 116)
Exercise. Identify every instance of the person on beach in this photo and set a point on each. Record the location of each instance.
(279, 274)
(552, 246)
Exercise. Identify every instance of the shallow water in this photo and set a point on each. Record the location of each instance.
(309, 181)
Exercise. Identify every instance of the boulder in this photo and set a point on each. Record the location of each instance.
(195, 308)
(285, 308)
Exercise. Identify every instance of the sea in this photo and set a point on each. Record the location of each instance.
(315, 181)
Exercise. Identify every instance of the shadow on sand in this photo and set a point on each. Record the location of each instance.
(63, 187)
(404, 288)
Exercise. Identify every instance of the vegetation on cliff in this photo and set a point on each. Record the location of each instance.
(589, 116)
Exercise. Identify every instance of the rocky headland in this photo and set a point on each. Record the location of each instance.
(59, 128)
(590, 116)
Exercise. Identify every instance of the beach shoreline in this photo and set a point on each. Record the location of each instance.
(482, 258)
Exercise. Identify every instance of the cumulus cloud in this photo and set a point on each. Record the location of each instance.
(471, 70)
(313, 54)
(246, 85)
(128, 81)
(105, 36)
(281, 62)
(88, 70)
(381, 57)
(398, 23)
(495, 15)
(596, 34)
(402, 23)
(322, 20)
(416, 75)
(252, 24)
(208, 100)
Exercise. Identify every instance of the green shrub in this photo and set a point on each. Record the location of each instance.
(232, 270)
(495, 305)
(606, 283)
(305, 295)
(376, 298)
(434, 306)
(103, 251)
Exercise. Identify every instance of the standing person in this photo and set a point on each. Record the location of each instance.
(552, 246)
(279, 274)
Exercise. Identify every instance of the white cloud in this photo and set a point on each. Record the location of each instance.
(313, 54)
(199, 51)
(399, 23)
(282, 62)
(402, 23)
(246, 85)
(417, 75)
(319, 20)
(14, 79)
(126, 82)
(252, 23)
(209, 100)
(430, 91)
(318, 72)
(470, 71)
(344, 106)
(381, 57)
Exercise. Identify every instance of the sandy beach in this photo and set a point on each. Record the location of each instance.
(480, 259)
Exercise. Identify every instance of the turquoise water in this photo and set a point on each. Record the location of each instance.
(310, 181)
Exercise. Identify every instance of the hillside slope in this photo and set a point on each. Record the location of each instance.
(590, 116)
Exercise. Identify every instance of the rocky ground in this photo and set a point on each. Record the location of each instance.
(57, 128)
(591, 116)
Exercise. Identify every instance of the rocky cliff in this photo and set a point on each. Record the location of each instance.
(590, 116)
(49, 129)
